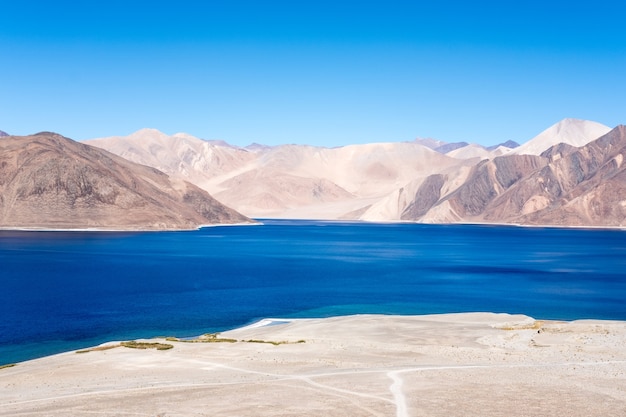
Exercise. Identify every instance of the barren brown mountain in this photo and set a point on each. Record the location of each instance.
(565, 185)
(583, 186)
(49, 181)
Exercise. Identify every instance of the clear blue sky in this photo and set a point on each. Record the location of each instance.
(325, 73)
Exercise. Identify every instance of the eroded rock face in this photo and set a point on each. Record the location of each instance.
(566, 185)
(427, 196)
(487, 181)
(591, 184)
(49, 181)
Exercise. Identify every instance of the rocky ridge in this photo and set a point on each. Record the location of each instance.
(565, 185)
(49, 181)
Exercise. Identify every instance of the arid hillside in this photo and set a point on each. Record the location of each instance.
(565, 185)
(283, 181)
(49, 181)
(405, 181)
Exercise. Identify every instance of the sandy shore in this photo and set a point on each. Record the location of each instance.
(476, 364)
(121, 230)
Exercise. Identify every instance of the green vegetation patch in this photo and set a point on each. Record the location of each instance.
(146, 345)
(206, 338)
(131, 344)
(8, 365)
(214, 338)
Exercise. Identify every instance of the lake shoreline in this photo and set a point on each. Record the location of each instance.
(387, 364)
(259, 222)
(122, 230)
(264, 323)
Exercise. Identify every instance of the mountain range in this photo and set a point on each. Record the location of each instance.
(49, 181)
(570, 174)
(565, 185)
(402, 181)
(283, 181)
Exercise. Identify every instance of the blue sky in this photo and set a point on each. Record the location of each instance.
(324, 73)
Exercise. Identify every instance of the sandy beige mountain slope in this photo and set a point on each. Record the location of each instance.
(475, 365)
(49, 181)
(476, 151)
(570, 131)
(180, 155)
(273, 181)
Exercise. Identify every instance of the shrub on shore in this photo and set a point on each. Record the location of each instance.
(146, 345)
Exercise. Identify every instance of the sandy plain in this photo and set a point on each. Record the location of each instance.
(471, 364)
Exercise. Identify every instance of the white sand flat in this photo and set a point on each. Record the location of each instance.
(475, 364)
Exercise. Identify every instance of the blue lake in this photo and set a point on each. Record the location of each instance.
(67, 290)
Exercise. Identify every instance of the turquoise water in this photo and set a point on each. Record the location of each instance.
(67, 290)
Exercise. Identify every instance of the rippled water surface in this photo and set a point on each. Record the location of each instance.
(65, 290)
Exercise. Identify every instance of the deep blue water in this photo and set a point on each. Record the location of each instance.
(67, 290)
